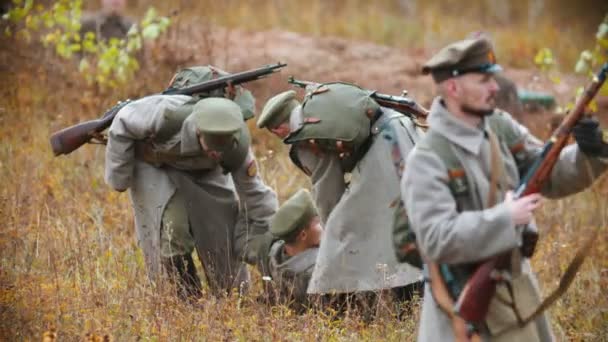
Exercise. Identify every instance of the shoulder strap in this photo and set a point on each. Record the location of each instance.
(501, 123)
(496, 168)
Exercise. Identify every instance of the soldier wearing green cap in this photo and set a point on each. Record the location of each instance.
(459, 215)
(339, 130)
(297, 229)
(282, 115)
(193, 183)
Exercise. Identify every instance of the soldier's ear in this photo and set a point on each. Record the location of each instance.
(303, 235)
(452, 87)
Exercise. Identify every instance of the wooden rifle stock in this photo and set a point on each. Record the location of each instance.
(71, 138)
(474, 301)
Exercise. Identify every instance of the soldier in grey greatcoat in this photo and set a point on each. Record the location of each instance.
(282, 115)
(343, 131)
(448, 193)
(291, 258)
(193, 182)
(107, 23)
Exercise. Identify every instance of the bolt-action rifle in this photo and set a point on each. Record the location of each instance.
(71, 138)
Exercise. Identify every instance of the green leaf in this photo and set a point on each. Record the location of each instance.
(151, 14)
(164, 22)
(582, 67)
(602, 31)
(133, 30)
(544, 59)
(151, 32)
(604, 90)
(586, 55)
(555, 79)
(592, 106)
(84, 65)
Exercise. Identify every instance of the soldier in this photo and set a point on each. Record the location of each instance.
(281, 115)
(343, 131)
(459, 215)
(184, 160)
(108, 22)
(292, 257)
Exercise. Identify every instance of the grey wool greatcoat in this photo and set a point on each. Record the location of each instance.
(292, 273)
(356, 251)
(463, 230)
(218, 203)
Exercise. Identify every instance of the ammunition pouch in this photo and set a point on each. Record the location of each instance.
(529, 240)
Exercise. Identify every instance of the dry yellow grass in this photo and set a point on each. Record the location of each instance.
(69, 265)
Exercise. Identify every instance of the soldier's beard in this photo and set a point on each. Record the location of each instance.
(475, 111)
(480, 112)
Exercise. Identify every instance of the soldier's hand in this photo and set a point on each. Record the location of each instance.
(522, 209)
(230, 91)
(590, 138)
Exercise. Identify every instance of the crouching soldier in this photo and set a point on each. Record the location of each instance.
(183, 161)
(292, 257)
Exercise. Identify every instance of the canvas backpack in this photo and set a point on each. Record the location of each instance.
(337, 117)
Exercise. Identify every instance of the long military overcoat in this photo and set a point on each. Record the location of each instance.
(464, 230)
(213, 199)
(356, 251)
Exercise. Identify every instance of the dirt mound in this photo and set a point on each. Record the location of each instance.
(386, 69)
(373, 66)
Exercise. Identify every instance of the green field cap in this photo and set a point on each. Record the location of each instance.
(293, 215)
(465, 56)
(277, 109)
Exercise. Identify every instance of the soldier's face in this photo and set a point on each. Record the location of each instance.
(312, 236)
(215, 145)
(476, 93)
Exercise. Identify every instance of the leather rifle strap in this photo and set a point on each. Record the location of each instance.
(496, 169)
(441, 294)
(564, 283)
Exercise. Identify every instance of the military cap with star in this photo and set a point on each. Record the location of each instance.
(293, 215)
(461, 57)
(277, 109)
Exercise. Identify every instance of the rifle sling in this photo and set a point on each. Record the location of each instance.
(564, 283)
(462, 331)
(496, 169)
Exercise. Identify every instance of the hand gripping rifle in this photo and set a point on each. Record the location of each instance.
(473, 301)
(402, 104)
(71, 138)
